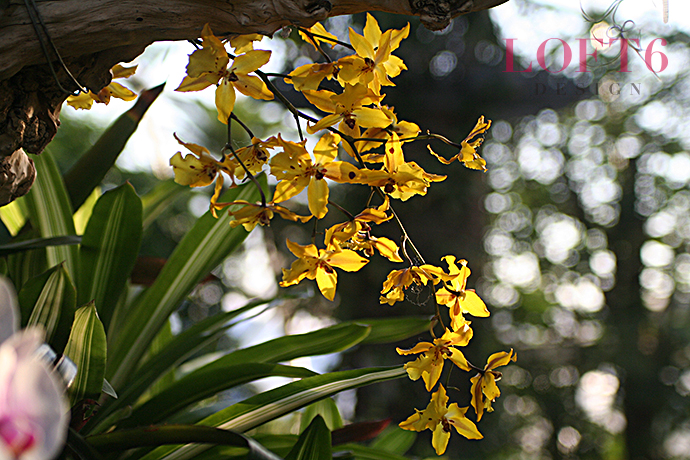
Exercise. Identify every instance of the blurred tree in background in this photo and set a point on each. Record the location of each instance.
(583, 224)
(577, 236)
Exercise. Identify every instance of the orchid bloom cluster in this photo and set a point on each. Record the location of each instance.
(34, 411)
(357, 123)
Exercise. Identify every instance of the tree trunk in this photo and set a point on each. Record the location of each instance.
(94, 35)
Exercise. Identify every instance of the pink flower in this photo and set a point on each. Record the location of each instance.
(34, 412)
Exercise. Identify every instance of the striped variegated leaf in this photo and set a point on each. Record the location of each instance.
(366, 453)
(199, 385)
(175, 434)
(272, 404)
(109, 249)
(201, 250)
(326, 408)
(87, 348)
(50, 212)
(314, 443)
(49, 300)
(159, 363)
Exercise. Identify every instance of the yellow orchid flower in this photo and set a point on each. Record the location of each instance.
(404, 130)
(438, 418)
(209, 65)
(484, 389)
(399, 280)
(310, 76)
(253, 156)
(373, 64)
(200, 170)
(399, 179)
(85, 100)
(363, 241)
(455, 295)
(468, 153)
(339, 234)
(206, 65)
(356, 235)
(244, 43)
(251, 214)
(347, 109)
(319, 264)
(320, 34)
(430, 363)
(297, 170)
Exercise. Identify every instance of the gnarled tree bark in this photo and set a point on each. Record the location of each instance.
(94, 35)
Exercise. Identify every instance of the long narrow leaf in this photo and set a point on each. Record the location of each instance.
(159, 198)
(87, 348)
(91, 167)
(50, 300)
(389, 330)
(366, 453)
(314, 443)
(320, 342)
(202, 384)
(201, 250)
(396, 441)
(37, 243)
(78, 446)
(162, 340)
(272, 404)
(51, 213)
(26, 265)
(325, 408)
(14, 216)
(109, 249)
(280, 444)
(177, 434)
(179, 349)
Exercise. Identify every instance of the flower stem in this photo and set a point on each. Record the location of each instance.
(246, 171)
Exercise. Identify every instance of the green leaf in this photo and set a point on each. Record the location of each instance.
(159, 198)
(389, 330)
(109, 249)
(325, 408)
(81, 449)
(323, 341)
(121, 440)
(51, 213)
(82, 215)
(175, 352)
(25, 265)
(272, 404)
(204, 383)
(88, 172)
(366, 453)
(163, 338)
(395, 440)
(280, 444)
(87, 348)
(50, 300)
(14, 216)
(314, 443)
(202, 249)
(37, 243)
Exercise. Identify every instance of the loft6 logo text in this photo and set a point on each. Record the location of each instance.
(649, 54)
